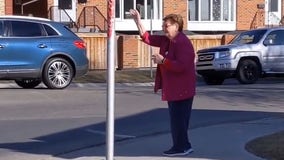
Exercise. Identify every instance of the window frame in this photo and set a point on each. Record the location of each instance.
(2, 29)
(199, 7)
(11, 31)
(121, 14)
(194, 22)
(153, 23)
(276, 40)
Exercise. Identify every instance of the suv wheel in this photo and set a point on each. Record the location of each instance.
(213, 80)
(28, 83)
(248, 72)
(57, 73)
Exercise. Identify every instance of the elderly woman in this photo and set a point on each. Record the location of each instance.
(175, 76)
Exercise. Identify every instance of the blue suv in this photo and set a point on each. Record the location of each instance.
(35, 50)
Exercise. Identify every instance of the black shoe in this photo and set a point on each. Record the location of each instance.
(173, 152)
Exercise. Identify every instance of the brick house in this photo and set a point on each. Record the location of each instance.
(211, 17)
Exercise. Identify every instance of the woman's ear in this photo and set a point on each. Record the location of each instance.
(177, 27)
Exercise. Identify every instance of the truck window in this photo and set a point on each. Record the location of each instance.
(249, 37)
(275, 38)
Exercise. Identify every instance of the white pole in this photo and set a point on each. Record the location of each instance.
(151, 49)
(110, 80)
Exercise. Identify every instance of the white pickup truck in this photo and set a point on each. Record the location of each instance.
(250, 55)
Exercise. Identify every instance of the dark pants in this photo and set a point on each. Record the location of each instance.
(179, 117)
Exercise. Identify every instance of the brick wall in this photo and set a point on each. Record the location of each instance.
(246, 10)
(100, 4)
(128, 45)
(8, 7)
(177, 7)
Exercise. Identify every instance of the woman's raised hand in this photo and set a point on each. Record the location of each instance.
(137, 19)
(135, 14)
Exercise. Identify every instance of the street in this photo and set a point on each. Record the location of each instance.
(54, 122)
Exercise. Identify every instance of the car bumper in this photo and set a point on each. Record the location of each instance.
(81, 70)
(223, 73)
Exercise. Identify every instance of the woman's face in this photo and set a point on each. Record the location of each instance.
(170, 29)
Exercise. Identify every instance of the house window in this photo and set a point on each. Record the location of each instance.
(205, 10)
(117, 8)
(143, 6)
(216, 10)
(211, 10)
(140, 6)
(273, 6)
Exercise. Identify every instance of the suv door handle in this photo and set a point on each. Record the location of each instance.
(1, 46)
(42, 46)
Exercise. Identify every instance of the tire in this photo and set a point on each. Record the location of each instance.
(248, 72)
(57, 73)
(213, 80)
(28, 83)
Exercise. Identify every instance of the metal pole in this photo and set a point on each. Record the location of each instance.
(268, 13)
(151, 49)
(110, 80)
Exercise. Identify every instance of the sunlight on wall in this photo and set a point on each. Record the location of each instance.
(2, 7)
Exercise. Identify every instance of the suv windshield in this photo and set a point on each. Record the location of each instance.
(249, 37)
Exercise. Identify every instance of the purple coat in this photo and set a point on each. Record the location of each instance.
(176, 76)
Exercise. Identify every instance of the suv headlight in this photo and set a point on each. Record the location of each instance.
(223, 54)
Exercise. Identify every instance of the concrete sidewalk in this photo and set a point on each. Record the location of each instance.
(216, 142)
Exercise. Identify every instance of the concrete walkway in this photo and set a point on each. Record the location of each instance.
(217, 142)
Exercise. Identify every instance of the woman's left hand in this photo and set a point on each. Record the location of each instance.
(157, 58)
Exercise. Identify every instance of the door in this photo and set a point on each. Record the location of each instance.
(65, 10)
(24, 48)
(272, 12)
(3, 70)
(274, 57)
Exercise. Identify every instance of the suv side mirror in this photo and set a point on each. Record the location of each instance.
(268, 42)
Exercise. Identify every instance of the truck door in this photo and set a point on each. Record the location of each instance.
(275, 51)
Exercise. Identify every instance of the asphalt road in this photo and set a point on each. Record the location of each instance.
(53, 122)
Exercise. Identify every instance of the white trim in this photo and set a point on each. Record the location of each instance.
(199, 10)
(222, 11)
(192, 25)
(211, 10)
(211, 26)
(230, 11)
(120, 25)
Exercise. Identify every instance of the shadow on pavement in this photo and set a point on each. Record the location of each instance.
(128, 129)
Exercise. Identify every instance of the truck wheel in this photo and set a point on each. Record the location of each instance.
(248, 72)
(213, 80)
(57, 73)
